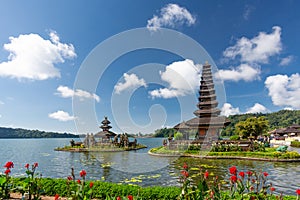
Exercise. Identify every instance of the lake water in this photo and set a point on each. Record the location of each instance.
(135, 167)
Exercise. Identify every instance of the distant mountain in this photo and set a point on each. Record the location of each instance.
(24, 133)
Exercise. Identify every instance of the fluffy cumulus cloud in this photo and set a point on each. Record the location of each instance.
(257, 108)
(33, 57)
(228, 110)
(286, 61)
(171, 15)
(131, 82)
(284, 90)
(67, 92)
(61, 116)
(242, 72)
(258, 49)
(182, 77)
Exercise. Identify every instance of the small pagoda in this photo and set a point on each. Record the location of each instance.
(105, 133)
(208, 121)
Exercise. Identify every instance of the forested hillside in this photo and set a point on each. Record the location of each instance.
(276, 120)
(24, 133)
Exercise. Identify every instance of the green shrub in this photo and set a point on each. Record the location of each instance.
(295, 144)
(235, 137)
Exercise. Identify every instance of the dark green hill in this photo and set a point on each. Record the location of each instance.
(280, 119)
(24, 133)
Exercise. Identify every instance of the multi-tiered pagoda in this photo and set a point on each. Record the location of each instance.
(207, 121)
(105, 129)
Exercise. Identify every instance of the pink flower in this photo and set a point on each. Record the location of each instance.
(249, 173)
(242, 174)
(9, 165)
(7, 171)
(130, 197)
(26, 166)
(233, 170)
(206, 174)
(185, 166)
(265, 174)
(91, 184)
(185, 173)
(82, 173)
(233, 178)
(35, 165)
(56, 197)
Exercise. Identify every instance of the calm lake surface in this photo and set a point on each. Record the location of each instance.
(135, 167)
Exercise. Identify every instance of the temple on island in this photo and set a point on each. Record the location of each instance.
(105, 134)
(208, 121)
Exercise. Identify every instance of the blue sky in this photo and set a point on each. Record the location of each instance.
(45, 45)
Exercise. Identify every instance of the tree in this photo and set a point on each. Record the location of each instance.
(254, 126)
(178, 136)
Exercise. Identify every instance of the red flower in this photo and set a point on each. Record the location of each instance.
(206, 175)
(233, 178)
(82, 173)
(272, 189)
(78, 181)
(298, 191)
(251, 188)
(35, 165)
(185, 173)
(9, 165)
(26, 166)
(7, 171)
(130, 197)
(185, 166)
(265, 174)
(56, 197)
(249, 173)
(70, 178)
(118, 198)
(242, 174)
(91, 184)
(233, 170)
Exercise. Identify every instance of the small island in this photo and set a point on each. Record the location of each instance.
(103, 141)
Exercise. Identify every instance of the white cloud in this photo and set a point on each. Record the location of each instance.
(242, 72)
(258, 49)
(67, 92)
(61, 116)
(257, 108)
(228, 110)
(1, 103)
(183, 78)
(284, 90)
(287, 60)
(32, 57)
(131, 82)
(166, 93)
(171, 15)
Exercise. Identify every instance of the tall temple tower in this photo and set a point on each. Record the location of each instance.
(207, 120)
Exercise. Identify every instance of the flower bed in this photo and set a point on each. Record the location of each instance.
(243, 185)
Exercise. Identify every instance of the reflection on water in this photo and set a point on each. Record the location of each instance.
(135, 167)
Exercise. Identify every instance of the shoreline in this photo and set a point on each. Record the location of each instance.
(223, 157)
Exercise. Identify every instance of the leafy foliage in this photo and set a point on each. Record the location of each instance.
(280, 119)
(252, 126)
(164, 132)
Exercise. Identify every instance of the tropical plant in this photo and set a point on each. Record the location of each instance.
(252, 126)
